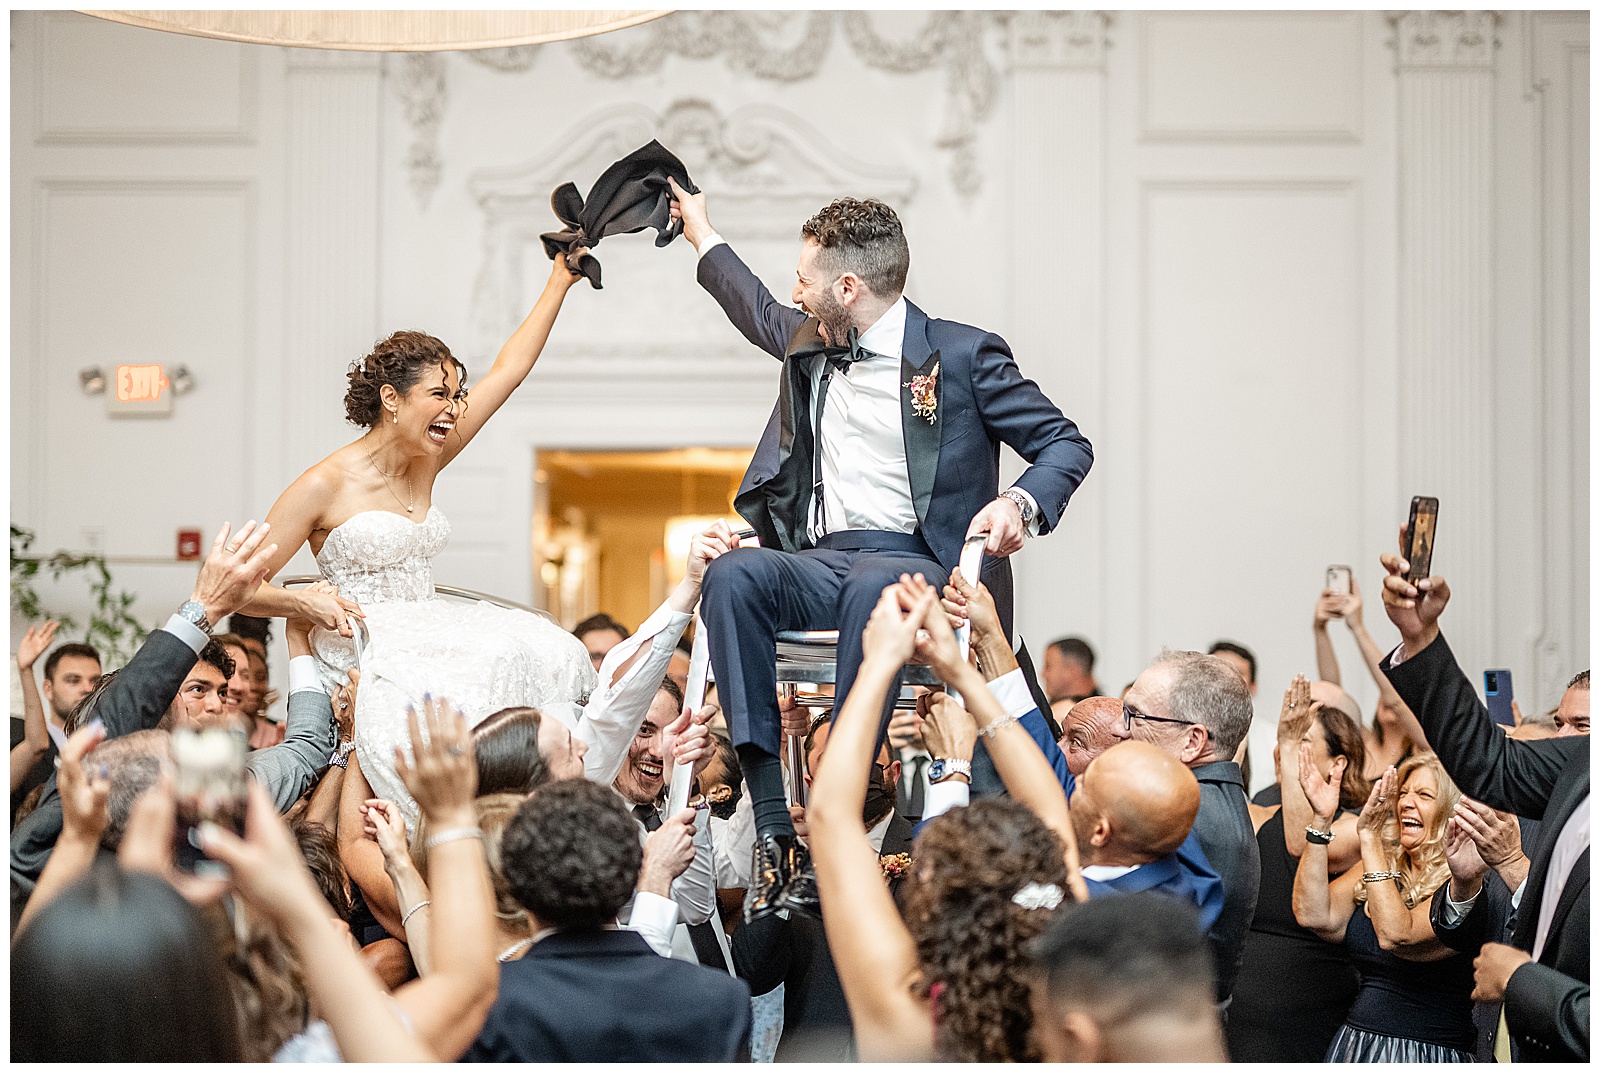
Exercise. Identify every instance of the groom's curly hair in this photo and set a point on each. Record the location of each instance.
(864, 237)
(398, 361)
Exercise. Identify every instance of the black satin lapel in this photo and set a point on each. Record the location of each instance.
(922, 435)
(783, 500)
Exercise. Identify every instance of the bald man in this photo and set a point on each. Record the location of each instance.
(1089, 728)
(1131, 812)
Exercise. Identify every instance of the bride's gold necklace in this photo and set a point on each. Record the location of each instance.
(409, 506)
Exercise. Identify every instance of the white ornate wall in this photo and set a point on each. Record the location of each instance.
(1285, 269)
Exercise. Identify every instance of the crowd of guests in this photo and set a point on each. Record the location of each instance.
(1026, 869)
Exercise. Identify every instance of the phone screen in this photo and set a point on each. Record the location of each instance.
(1419, 536)
(1339, 580)
(209, 787)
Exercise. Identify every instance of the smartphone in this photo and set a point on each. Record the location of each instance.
(208, 787)
(1419, 536)
(1497, 691)
(1338, 580)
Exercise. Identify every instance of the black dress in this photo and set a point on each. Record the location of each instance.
(1407, 1011)
(1294, 989)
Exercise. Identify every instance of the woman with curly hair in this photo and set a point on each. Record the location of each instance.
(1415, 1001)
(367, 512)
(950, 980)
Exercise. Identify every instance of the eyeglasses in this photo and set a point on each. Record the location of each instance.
(1130, 713)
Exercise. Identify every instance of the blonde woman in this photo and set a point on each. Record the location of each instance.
(1415, 1002)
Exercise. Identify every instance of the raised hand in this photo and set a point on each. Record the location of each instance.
(972, 603)
(444, 776)
(83, 785)
(691, 209)
(905, 728)
(233, 570)
(267, 870)
(1350, 604)
(712, 541)
(668, 852)
(891, 633)
(1294, 719)
(148, 842)
(936, 644)
(949, 729)
(1379, 806)
(387, 827)
(1414, 609)
(34, 643)
(1322, 794)
(1327, 607)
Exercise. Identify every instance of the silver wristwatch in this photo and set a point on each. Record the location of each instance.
(942, 769)
(194, 613)
(1022, 503)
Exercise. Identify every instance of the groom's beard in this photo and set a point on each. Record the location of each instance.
(835, 318)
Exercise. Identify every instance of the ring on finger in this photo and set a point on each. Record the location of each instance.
(455, 750)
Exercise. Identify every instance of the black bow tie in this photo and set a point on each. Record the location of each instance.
(842, 357)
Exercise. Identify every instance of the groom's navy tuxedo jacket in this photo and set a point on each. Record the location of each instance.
(953, 462)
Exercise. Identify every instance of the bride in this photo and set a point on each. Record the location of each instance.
(367, 511)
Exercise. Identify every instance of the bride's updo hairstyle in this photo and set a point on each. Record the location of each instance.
(399, 361)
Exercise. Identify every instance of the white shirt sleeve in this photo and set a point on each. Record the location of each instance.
(654, 917)
(1455, 912)
(944, 796)
(1011, 690)
(187, 632)
(617, 709)
(696, 890)
(1033, 526)
(708, 242)
(303, 675)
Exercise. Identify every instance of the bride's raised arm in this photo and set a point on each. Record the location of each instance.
(513, 363)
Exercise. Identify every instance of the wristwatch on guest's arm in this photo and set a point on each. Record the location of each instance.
(194, 613)
(1024, 506)
(943, 768)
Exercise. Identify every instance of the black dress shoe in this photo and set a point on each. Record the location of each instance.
(770, 873)
(800, 896)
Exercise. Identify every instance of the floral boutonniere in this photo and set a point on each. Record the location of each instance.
(925, 394)
(895, 865)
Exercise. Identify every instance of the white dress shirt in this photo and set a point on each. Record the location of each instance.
(865, 481)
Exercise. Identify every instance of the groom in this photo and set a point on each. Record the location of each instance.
(909, 413)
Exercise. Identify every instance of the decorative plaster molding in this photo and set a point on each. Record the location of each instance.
(1057, 40)
(420, 85)
(1443, 40)
(512, 60)
(765, 168)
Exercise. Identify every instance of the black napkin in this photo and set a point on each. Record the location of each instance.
(629, 196)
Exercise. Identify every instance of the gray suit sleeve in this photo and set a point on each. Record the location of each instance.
(288, 769)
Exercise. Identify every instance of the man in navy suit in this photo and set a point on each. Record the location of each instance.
(585, 991)
(880, 458)
(1130, 812)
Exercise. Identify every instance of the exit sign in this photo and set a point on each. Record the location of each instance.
(139, 390)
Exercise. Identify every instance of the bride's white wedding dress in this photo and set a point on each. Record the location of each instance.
(479, 657)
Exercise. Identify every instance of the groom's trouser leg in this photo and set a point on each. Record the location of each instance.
(870, 572)
(748, 596)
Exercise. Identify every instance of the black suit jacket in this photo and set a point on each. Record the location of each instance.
(953, 463)
(794, 952)
(1222, 827)
(605, 996)
(1547, 1003)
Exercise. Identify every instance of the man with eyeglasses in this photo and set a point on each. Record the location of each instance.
(1197, 709)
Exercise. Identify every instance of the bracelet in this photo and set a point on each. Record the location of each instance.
(1321, 838)
(413, 909)
(994, 727)
(1378, 877)
(452, 834)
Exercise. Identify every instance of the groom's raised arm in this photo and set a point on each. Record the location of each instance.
(745, 299)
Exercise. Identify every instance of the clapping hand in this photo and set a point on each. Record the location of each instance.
(1322, 794)
(1378, 807)
(1497, 835)
(444, 777)
(1461, 853)
(34, 643)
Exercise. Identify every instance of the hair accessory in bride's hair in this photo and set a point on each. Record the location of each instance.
(1038, 896)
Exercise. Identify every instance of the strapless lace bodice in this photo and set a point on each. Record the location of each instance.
(378, 556)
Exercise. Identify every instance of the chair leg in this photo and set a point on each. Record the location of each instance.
(794, 752)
